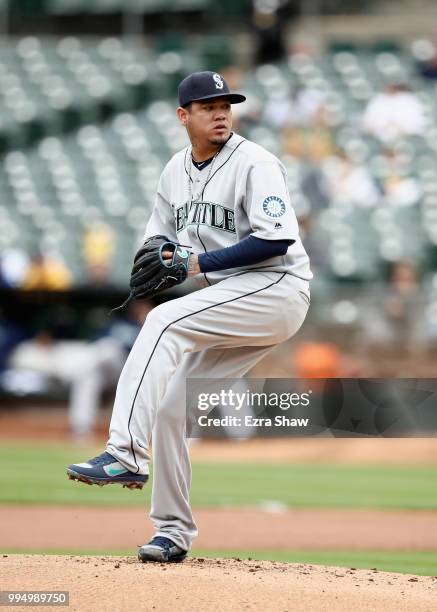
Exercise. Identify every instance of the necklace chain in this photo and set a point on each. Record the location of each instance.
(193, 196)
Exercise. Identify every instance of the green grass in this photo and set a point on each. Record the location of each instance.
(335, 486)
(418, 562)
(422, 563)
(35, 473)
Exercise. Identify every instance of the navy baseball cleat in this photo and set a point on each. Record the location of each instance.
(103, 470)
(162, 550)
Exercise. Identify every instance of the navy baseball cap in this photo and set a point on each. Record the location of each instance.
(204, 86)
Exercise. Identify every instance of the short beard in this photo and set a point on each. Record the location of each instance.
(219, 140)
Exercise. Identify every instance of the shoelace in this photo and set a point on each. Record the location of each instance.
(162, 542)
(103, 458)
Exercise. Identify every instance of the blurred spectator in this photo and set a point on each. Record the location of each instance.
(269, 23)
(11, 334)
(317, 360)
(300, 116)
(87, 368)
(98, 251)
(46, 272)
(101, 371)
(48, 356)
(312, 144)
(313, 188)
(14, 264)
(97, 276)
(393, 113)
(393, 321)
(247, 114)
(399, 188)
(301, 108)
(315, 244)
(348, 181)
(428, 68)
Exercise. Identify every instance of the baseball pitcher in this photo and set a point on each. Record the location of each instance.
(225, 199)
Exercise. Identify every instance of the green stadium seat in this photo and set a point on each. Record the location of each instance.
(87, 125)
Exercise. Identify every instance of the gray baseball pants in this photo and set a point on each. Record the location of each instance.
(220, 331)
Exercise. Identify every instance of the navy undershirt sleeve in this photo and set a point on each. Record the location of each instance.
(247, 252)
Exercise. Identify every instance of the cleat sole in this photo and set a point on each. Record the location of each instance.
(171, 560)
(150, 558)
(101, 483)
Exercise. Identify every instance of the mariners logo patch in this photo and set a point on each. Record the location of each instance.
(273, 207)
(218, 81)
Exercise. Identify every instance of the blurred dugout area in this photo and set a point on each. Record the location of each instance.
(62, 7)
(72, 7)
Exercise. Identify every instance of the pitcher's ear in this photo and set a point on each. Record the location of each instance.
(182, 114)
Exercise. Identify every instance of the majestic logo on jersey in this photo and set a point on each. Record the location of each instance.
(218, 81)
(274, 207)
(205, 213)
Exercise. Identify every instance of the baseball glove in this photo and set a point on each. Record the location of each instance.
(151, 273)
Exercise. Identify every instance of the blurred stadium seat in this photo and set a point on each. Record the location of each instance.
(88, 123)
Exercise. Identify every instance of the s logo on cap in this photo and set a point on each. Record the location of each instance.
(218, 81)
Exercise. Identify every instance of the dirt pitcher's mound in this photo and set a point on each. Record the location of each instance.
(122, 583)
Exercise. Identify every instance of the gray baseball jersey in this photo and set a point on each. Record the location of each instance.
(244, 191)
